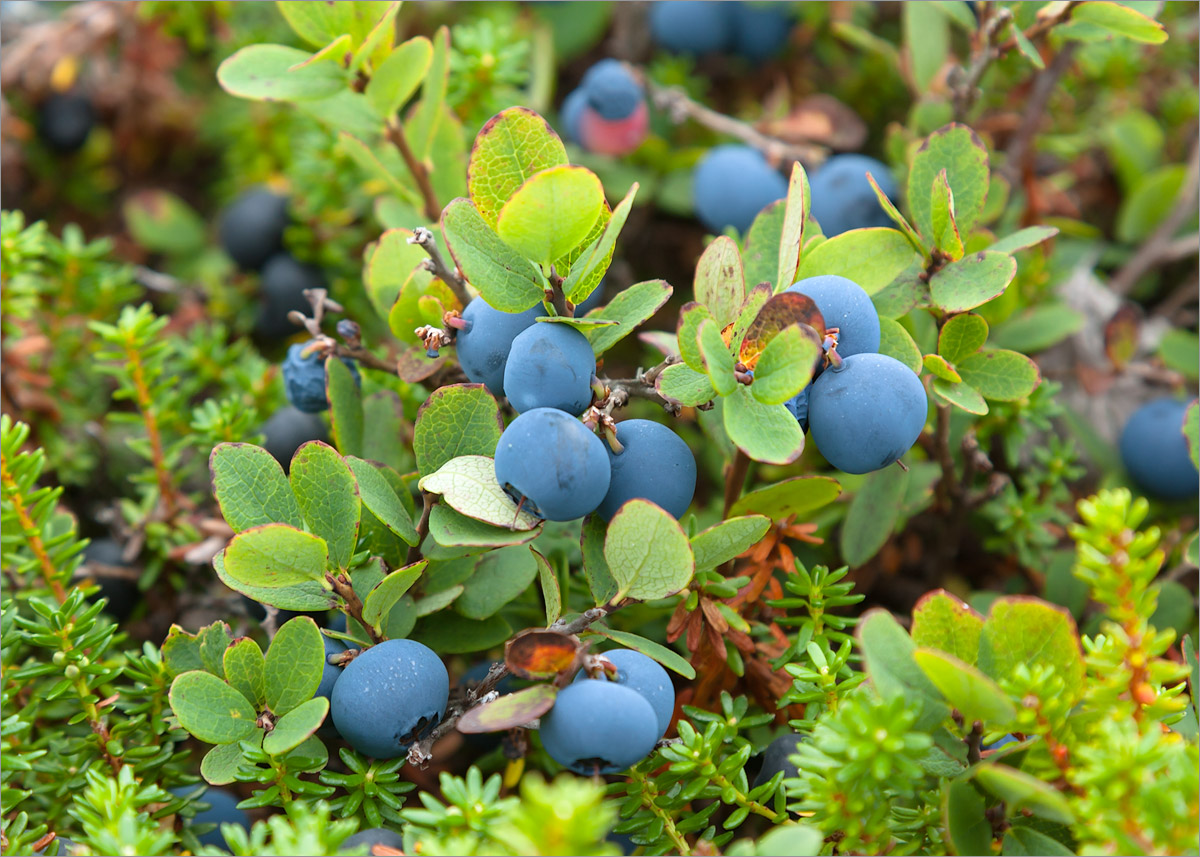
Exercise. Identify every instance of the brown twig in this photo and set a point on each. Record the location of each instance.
(734, 480)
(678, 106)
(427, 503)
(345, 590)
(424, 239)
(1019, 148)
(641, 386)
(395, 135)
(1162, 246)
(557, 297)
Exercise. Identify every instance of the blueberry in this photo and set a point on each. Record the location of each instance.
(599, 727)
(304, 378)
(389, 696)
(65, 120)
(331, 674)
(121, 592)
(691, 26)
(843, 199)
(645, 676)
(654, 464)
(775, 759)
(287, 429)
(844, 305)
(732, 184)
(554, 463)
(611, 90)
(483, 346)
(867, 414)
(222, 810)
(613, 136)
(251, 229)
(371, 837)
(282, 290)
(760, 30)
(550, 365)
(572, 112)
(1155, 451)
(798, 407)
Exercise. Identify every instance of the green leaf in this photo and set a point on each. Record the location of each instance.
(551, 592)
(293, 728)
(500, 576)
(1028, 632)
(873, 257)
(1191, 431)
(727, 539)
(378, 18)
(720, 282)
(244, 663)
(316, 23)
(1003, 376)
(181, 651)
(976, 696)
(1149, 202)
(761, 253)
(308, 594)
(972, 280)
(595, 566)
(690, 317)
(421, 128)
(509, 711)
(962, 336)
(766, 433)
(667, 657)
(786, 365)
(962, 396)
(891, 211)
(1180, 350)
(926, 42)
(295, 663)
(387, 593)
(588, 269)
(896, 342)
(250, 487)
(945, 230)
(791, 236)
(274, 556)
(647, 552)
(796, 840)
(452, 529)
(888, 658)
(277, 73)
(872, 515)
(398, 76)
(941, 621)
(957, 150)
(210, 709)
(1020, 839)
(511, 147)
(1026, 47)
(1120, 20)
(968, 827)
(345, 407)
(1023, 791)
(505, 279)
(551, 212)
(628, 309)
(685, 386)
(391, 269)
(451, 634)
(328, 498)
(378, 496)
(163, 223)
(716, 357)
(1037, 328)
(937, 366)
(459, 419)
(1023, 239)
(220, 764)
(468, 484)
(797, 497)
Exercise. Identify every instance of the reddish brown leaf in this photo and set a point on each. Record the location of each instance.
(540, 653)
(509, 711)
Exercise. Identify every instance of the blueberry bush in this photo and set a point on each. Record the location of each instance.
(585, 428)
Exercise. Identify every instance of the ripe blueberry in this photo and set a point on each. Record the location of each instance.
(599, 727)
(572, 112)
(389, 696)
(1155, 450)
(65, 120)
(554, 464)
(251, 229)
(222, 810)
(483, 345)
(844, 305)
(798, 407)
(304, 378)
(867, 414)
(643, 675)
(287, 429)
(843, 199)
(122, 592)
(760, 30)
(654, 464)
(691, 26)
(775, 759)
(282, 290)
(550, 365)
(611, 90)
(331, 673)
(732, 184)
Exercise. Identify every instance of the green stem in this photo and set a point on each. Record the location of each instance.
(648, 794)
(745, 802)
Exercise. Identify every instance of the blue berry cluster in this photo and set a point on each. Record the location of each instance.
(755, 31)
(607, 114)
(304, 378)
